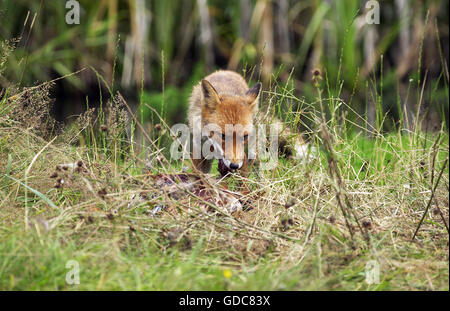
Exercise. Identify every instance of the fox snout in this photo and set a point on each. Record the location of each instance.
(233, 146)
(233, 165)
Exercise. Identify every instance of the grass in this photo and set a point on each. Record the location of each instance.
(318, 33)
(294, 236)
(87, 192)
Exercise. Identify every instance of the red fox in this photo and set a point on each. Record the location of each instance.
(224, 98)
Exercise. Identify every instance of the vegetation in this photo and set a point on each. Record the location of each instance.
(89, 189)
(174, 43)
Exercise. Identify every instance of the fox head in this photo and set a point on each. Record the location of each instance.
(233, 115)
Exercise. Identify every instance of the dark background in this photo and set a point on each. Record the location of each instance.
(154, 51)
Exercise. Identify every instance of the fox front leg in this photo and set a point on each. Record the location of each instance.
(200, 162)
(222, 168)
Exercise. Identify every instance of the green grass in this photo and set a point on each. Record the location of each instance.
(307, 226)
(38, 262)
(134, 251)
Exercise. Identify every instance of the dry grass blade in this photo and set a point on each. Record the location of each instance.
(339, 184)
(433, 189)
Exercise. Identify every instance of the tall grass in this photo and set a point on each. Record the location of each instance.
(85, 192)
(293, 234)
(332, 36)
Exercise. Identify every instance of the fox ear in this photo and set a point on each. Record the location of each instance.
(253, 92)
(209, 94)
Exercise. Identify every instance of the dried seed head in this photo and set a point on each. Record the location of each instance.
(80, 163)
(332, 219)
(436, 211)
(367, 224)
(104, 128)
(286, 222)
(316, 77)
(54, 175)
(158, 127)
(291, 202)
(102, 193)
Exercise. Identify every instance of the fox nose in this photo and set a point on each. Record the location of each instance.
(234, 166)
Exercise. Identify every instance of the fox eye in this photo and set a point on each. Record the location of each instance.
(223, 136)
(245, 136)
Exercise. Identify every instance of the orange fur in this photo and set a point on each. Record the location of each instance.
(223, 98)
